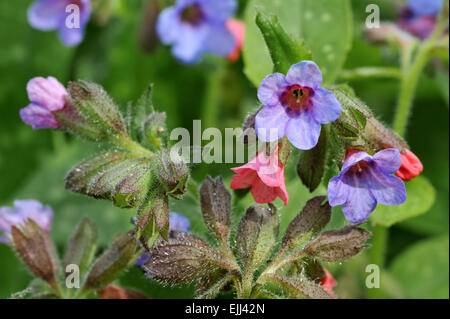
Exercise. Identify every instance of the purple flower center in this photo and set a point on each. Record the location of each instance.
(192, 14)
(296, 98)
(359, 168)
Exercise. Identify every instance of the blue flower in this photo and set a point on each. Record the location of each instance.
(69, 17)
(194, 27)
(295, 105)
(366, 180)
(20, 213)
(177, 222)
(425, 7)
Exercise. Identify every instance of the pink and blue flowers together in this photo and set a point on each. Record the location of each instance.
(69, 17)
(20, 213)
(295, 105)
(46, 95)
(366, 180)
(194, 27)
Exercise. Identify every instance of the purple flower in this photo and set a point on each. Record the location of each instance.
(295, 105)
(46, 95)
(20, 213)
(366, 180)
(69, 17)
(177, 222)
(425, 7)
(195, 27)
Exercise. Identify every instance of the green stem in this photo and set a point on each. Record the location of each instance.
(370, 72)
(410, 79)
(210, 107)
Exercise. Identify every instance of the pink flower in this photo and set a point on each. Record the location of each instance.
(265, 176)
(46, 95)
(411, 166)
(237, 29)
(328, 283)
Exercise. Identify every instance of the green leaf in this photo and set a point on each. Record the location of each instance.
(324, 25)
(285, 50)
(313, 217)
(339, 244)
(182, 258)
(216, 207)
(311, 164)
(296, 288)
(113, 261)
(420, 196)
(422, 270)
(120, 176)
(82, 245)
(256, 235)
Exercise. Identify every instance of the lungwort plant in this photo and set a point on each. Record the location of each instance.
(254, 262)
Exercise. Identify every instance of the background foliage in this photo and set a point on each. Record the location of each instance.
(34, 163)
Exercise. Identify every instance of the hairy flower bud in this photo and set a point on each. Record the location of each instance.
(173, 172)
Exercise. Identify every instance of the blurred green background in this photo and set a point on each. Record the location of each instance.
(33, 163)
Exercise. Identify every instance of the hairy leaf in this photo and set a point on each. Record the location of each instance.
(35, 248)
(256, 235)
(82, 245)
(313, 217)
(340, 244)
(216, 207)
(113, 261)
(298, 288)
(181, 259)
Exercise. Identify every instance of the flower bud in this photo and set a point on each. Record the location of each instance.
(37, 251)
(173, 172)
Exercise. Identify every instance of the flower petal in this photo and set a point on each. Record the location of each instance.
(71, 36)
(168, 25)
(303, 131)
(270, 89)
(38, 117)
(337, 191)
(411, 166)
(243, 180)
(263, 193)
(47, 14)
(270, 123)
(220, 41)
(48, 93)
(179, 222)
(325, 107)
(191, 43)
(387, 189)
(425, 7)
(359, 205)
(388, 160)
(305, 73)
(218, 11)
(354, 158)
